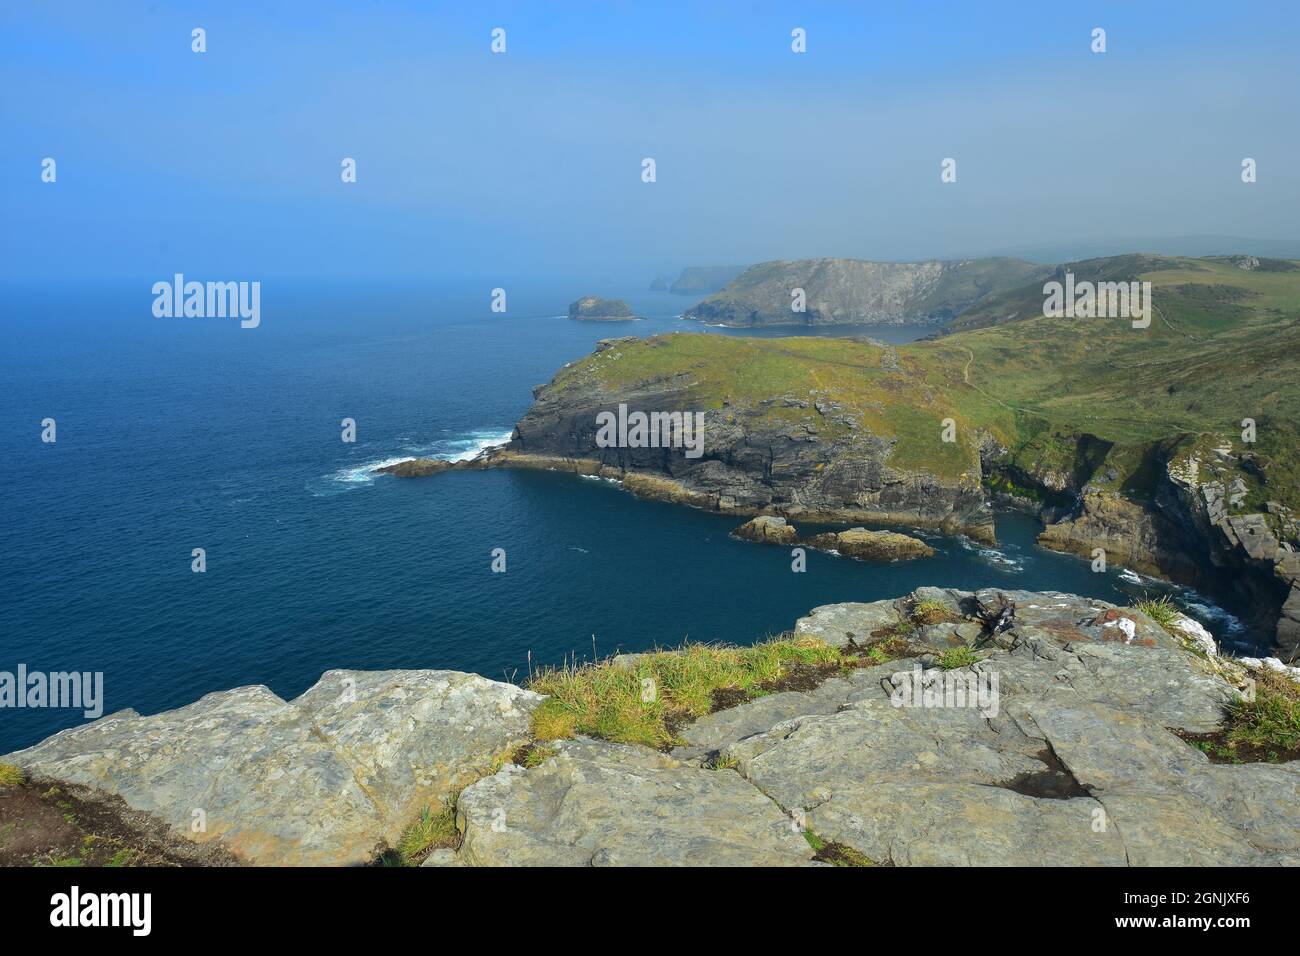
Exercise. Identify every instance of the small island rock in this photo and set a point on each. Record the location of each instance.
(592, 308)
(766, 529)
(872, 545)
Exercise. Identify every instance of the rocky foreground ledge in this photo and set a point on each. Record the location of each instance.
(1075, 759)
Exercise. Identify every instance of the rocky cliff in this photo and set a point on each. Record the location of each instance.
(701, 280)
(1093, 422)
(1193, 524)
(817, 292)
(1065, 751)
(784, 431)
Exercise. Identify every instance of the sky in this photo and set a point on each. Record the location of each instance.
(226, 164)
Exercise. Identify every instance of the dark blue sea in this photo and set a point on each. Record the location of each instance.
(176, 434)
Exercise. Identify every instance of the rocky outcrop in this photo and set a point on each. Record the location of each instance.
(1132, 536)
(857, 292)
(1069, 761)
(1253, 551)
(1191, 525)
(860, 543)
(415, 468)
(1058, 746)
(868, 545)
(766, 529)
(327, 778)
(801, 455)
(592, 308)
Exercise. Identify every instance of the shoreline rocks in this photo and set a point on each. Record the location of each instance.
(868, 545)
(767, 529)
(860, 543)
(415, 468)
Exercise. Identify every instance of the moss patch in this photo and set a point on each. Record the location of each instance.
(837, 854)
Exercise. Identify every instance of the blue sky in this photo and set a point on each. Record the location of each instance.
(227, 163)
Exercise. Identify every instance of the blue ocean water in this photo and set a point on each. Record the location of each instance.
(175, 434)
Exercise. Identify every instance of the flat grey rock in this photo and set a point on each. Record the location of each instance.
(842, 624)
(933, 823)
(804, 762)
(603, 804)
(326, 779)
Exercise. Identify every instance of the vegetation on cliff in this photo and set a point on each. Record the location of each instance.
(1073, 401)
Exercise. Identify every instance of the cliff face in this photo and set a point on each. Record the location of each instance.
(1252, 550)
(1194, 524)
(701, 280)
(853, 291)
(820, 453)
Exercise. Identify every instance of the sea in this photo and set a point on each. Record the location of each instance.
(179, 434)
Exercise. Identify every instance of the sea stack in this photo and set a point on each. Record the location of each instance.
(592, 308)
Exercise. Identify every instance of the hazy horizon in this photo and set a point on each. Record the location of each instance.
(528, 163)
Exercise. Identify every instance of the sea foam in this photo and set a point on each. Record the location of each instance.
(464, 447)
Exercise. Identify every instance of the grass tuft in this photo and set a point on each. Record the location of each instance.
(1161, 610)
(641, 703)
(955, 657)
(932, 612)
(723, 762)
(1270, 722)
(432, 830)
(533, 755)
(10, 776)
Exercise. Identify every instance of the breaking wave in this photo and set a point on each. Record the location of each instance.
(462, 447)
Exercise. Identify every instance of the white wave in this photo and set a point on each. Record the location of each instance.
(1132, 577)
(461, 448)
(1221, 621)
(474, 445)
(1001, 561)
(364, 473)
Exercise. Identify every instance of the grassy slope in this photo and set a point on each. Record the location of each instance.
(746, 372)
(1223, 346)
